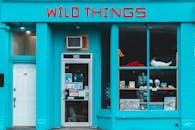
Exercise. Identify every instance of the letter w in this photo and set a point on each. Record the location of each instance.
(51, 12)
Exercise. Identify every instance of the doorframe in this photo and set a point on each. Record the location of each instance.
(90, 79)
(19, 60)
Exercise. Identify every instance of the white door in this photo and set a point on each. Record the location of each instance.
(24, 94)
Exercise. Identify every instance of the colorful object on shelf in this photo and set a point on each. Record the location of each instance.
(141, 80)
(169, 103)
(131, 84)
(171, 86)
(163, 84)
(129, 104)
(120, 53)
(122, 84)
(134, 63)
(159, 63)
(157, 83)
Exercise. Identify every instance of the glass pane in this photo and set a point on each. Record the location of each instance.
(133, 90)
(132, 46)
(163, 92)
(77, 93)
(23, 43)
(105, 68)
(163, 46)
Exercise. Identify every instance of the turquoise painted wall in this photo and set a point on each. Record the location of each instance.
(156, 12)
(50, 45)
(45, 76)
(187, 79)
(4, 69)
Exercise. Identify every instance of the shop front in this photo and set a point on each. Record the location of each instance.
(113, 65)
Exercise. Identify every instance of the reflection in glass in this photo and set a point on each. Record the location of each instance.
(76, 93)
(23, 43)
(133, 90)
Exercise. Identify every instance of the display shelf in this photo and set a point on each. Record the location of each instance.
(163, 67)
(160, 89)
(132, 68)
(156, 103)
(152, 103)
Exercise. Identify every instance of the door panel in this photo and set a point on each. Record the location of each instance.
(24, 94)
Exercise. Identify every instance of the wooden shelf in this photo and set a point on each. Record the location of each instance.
(145, 68)
(132, 68)
(152, 103)
(156, 102)
(163, 68)
(159, 89)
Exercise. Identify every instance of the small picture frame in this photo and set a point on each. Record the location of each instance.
(68, 77)
(78, 85)
(73, 92)
(129, 104)
(169, 103)
(122, 84)
(131, 84)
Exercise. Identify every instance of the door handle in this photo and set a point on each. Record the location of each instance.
(14, 102)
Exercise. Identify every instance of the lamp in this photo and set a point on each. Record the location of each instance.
(22, 27)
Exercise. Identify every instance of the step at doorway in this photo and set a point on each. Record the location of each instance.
(77, 128)
(22, 128)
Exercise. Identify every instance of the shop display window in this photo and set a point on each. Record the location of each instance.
(148, 68)
(23, 43)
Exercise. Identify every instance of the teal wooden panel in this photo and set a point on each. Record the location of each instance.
(114, 45)
(187, 70)
(146, 124)
(44, 66)
(156, 12)
(5, 110)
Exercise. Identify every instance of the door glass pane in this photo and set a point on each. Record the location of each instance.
(163, 92)
(23, 43)
(163, 54)
(132, 46)
(76, 93)
(133, 90)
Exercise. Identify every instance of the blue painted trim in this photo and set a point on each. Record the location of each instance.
(148, 65)
(164, 68)
(104, 114)
(179, 67)
(23, 58)
(114, 45)
(148, 114)
(4, 26)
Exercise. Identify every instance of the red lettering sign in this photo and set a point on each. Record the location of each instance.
(75, 12)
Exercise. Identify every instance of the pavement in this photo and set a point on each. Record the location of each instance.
(68, 128)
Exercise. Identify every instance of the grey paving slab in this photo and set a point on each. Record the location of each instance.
(74, 128)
